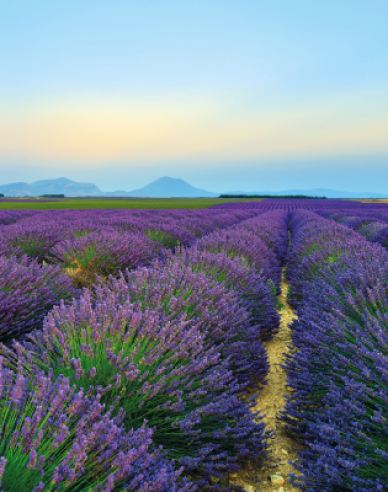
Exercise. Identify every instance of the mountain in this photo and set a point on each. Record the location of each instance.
(161, 188)
(51, 186)
(16, 189)
(170, 187)
(316, 192)
(65, 186)
(50, 182)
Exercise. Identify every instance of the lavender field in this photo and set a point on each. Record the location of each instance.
(134, 347)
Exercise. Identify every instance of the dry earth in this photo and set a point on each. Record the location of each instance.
(270, 401)
(371, 200)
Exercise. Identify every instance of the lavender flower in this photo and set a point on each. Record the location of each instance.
(105, 252)
(94, 453)
(27, 292)
(159, 369)
(251, 289)
(175, 290)
(339, 365)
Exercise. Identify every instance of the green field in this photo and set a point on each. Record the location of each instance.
(100, 203)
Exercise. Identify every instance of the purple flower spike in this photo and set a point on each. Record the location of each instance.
(27, 292)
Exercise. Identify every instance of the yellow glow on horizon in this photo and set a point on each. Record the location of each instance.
(147, 130)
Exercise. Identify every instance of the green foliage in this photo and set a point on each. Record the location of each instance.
(289, 291)
(14, 448)
(273, 290)
(85, 259)
(163, 237)
(124, 203)
(30, 246)
(81, 232)
(53, 195)
(147, 356)
(332, 259)
(279, 305)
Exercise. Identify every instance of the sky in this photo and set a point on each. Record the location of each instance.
(246, 95)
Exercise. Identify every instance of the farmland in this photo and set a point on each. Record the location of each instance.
(208, 345)
(112, 203)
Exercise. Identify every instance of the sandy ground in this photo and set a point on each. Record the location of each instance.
(270, 401)
(371, 200)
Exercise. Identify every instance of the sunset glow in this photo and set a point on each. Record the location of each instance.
(215, 84)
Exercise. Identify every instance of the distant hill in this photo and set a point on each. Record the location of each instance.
(65, 186)
(161, 188)
(316, 192)
(165, 187)
(170, 187)
(51, 186)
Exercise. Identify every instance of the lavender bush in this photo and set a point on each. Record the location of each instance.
(27, 292)
(252, 291)
(12, 216)
(340, 377)
(338, 368)
(162, 371)
(58, 439)
(369, 229)
(250, 249)
(316, 242)
(367, 226)
(34, 241)
(272, 229)
(105, 252)
(381, 237)
(171, 236)
(181, 294)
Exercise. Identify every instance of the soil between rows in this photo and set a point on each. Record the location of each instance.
(270, 402)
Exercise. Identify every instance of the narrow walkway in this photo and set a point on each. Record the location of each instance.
(270, 401)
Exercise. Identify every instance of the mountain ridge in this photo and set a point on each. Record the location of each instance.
(173, 187)
(165, 187)
(50, 186)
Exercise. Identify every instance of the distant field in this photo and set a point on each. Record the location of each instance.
(372, 200)
(148, 203)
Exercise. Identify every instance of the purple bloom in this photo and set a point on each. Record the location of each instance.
(27, 292)
(159, 368)
(105, 252)
(89, 447)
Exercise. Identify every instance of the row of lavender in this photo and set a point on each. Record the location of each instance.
(169, 349)
(339, 364)
(330, 205)
(293, 204)
(36, 233)
(91, 242)
(373, 225)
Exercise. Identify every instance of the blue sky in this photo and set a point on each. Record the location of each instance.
(228, 95)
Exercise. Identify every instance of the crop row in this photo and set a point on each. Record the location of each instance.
(84, 243)
(319, 205)
(288, 205)
(339, 364)
(139, 382)
(373, 225)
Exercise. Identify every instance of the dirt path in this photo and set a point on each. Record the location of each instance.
(270, 401)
